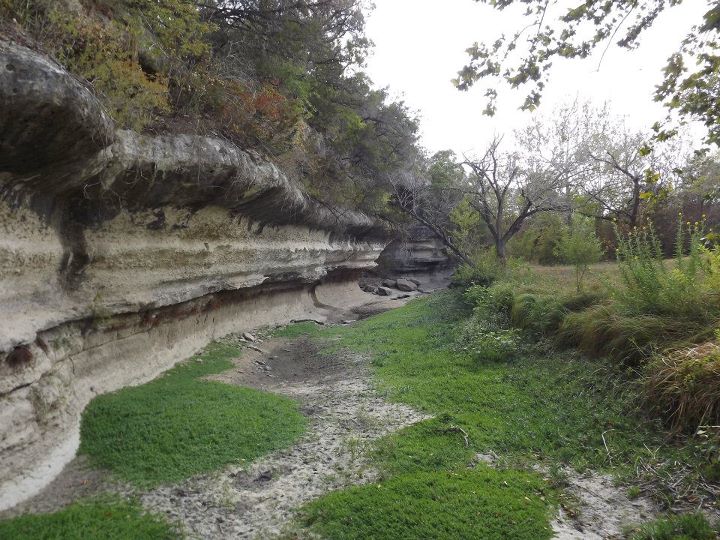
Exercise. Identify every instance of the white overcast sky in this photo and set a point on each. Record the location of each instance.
(420, 46)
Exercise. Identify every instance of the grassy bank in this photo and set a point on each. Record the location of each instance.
(530, 407)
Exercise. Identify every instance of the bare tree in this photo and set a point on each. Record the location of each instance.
(508, 188)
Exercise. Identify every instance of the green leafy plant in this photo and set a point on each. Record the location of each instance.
(484, 271)
(107, 519)
(179, 424)
(651, 286)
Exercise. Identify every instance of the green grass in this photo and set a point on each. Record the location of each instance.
(552, 409)
(481, 503)
(555, 407)
(179, 425)
(108, 520)
(680, 527)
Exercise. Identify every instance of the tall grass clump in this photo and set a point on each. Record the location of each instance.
(684, 386)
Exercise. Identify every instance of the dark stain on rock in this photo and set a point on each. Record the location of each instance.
(20, 356)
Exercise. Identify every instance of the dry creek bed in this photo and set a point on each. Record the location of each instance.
(345, 414)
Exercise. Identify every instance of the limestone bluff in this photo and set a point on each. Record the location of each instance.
(123, 253)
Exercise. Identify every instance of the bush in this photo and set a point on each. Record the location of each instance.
(684, 386)
(485, 270)
(486, 334)
(493, 302)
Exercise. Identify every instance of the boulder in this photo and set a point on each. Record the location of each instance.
(384, 291)
(389, 283)
(406, 285)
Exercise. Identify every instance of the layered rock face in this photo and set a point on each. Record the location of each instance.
(419, 252)
(122, 253)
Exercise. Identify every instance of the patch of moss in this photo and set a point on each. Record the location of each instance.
(482, 503)
(180, 425)
(109, 520)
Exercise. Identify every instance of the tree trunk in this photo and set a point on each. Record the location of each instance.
(500, 249)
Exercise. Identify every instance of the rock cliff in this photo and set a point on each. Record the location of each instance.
(122, 253)
(418, 252)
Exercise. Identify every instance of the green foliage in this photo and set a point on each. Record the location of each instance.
(283, 79)
(481, 503)
(487, 341)
(538, 242)
(484, 271)
(676, 527)
(111, 520)
(580, 247)
(179, 425)
(534, 406)
(650, 287)
(690, 77)
(486, 334)
(101, 53)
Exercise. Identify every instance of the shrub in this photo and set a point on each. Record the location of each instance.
(104, 55)
(485, 341)
(580, 247)
(492, 302)
(485, 334)
(684, 386)
(485, 270)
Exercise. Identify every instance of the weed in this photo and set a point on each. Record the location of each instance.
(480, 503)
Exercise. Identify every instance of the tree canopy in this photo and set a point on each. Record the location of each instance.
(548, 32)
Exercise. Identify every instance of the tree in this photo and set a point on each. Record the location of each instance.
(580, 246)
(550, 34)
(607, 169)
(507, 188)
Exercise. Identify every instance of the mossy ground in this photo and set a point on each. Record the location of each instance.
(106, 520)
(180, 425)
(680, 527)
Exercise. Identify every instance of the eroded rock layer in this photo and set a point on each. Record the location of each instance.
(121, 254)
(419, 251)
